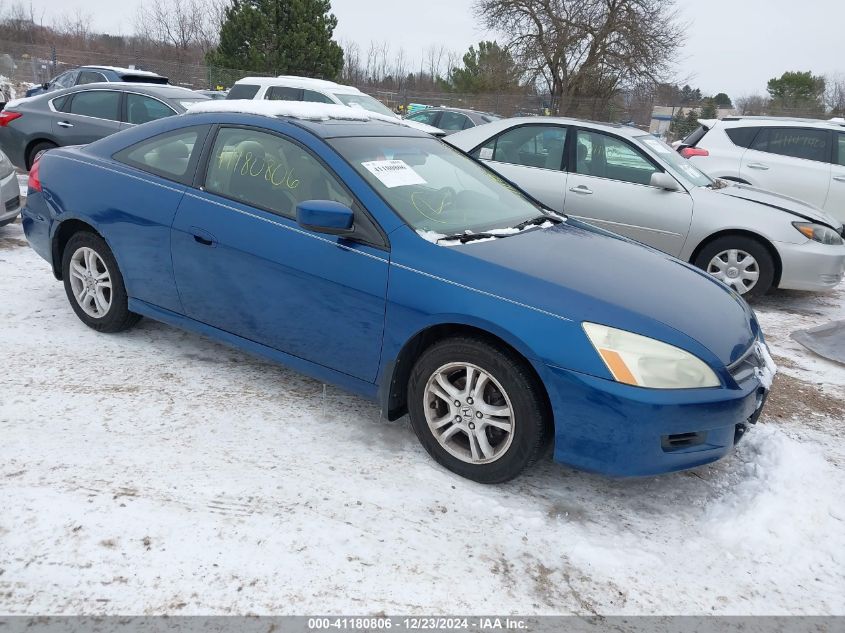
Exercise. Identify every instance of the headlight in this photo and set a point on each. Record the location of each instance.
(818, 233)
(6, 166)
(641, 361)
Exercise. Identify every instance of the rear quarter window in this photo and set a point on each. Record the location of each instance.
(242, 91)
(742, 136)
(171, 155)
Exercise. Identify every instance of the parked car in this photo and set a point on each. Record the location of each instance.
(290, 88)
(96, 74)
(81, 115)
(452, 120)
(800, 158)
(377, 258)
(10, 191)
(632, 183)
(214, 94)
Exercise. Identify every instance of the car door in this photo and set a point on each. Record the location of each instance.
(533, 157)
(243, 264)
(609, 186)
(87, 116)
(791, 161)
(835, 204)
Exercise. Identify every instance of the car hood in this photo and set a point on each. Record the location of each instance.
(776, 201)
(586, 274)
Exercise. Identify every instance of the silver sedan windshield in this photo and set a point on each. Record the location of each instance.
(680, 165)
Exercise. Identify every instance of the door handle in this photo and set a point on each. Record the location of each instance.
(839, 178)
(64, 124)
(758, 166)
(582, 189)
(203, 237)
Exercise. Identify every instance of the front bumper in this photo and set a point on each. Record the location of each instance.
(615, 429)
(811, 265)
(10, 197)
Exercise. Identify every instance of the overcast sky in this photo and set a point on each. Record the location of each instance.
(733, 46)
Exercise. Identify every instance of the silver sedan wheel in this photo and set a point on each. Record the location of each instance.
(469, 413)
(91, 282)
(736, 268)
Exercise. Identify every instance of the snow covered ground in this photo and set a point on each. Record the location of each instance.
(158, 472)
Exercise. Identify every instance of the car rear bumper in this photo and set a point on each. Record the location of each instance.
(619, 430)
(10, 197)
(811, 265)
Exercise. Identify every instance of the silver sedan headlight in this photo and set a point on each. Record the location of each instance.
(818, 233)
(644, 362)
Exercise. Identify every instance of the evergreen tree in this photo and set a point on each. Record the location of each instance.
(279, 37)
(709, 110)
(488, 69)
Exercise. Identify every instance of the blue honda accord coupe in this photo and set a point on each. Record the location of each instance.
(377, 258)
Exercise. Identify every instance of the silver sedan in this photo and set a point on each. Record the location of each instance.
(10, 198)
(629, 182)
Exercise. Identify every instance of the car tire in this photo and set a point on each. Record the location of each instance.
(35, 150)
(94, 285)
(734, 266)
(479, 445)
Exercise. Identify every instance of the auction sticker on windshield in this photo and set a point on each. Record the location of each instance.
(393, 173)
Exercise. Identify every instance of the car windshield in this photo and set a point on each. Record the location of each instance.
(680, 165)
(436, 188)
(361, 100)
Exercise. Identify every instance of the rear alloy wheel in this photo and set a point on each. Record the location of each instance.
(94, 285)
(740, 262)
(36, 151)
(477, 410)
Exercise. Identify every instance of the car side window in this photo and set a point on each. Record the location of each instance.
(64, 80)
(426, 116)
(242, 91)
(283, 93)
(315, 97)
(742, 136)
(89, 77)
(605, 156)
(795, 143)
(167, 155)
(267, 171)
(453, 121)
(99, 104)
(529, 145)
(841, 148)
(142, 109)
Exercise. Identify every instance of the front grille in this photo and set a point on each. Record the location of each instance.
(746, 367)
(14, 203)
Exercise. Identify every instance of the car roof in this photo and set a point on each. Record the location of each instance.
(293, 81)
(122, 71)
(615, 128)
(741, 121)
(453, 109)
(322, 119)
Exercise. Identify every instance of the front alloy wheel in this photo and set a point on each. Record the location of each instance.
(478, 408)
(469, 413)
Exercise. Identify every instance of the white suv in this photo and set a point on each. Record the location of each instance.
(800, 158)
(292, 88)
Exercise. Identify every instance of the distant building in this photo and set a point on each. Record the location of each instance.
(661, 117)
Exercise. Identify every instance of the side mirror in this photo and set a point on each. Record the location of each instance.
(662, 180)
(325, 216)
(45, 85)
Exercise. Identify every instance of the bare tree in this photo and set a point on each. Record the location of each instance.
(752, 105)
(588, 49)
(834, 96)
(76, 27)
(183, 25)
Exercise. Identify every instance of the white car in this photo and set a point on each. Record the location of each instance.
(799, 158)
(627, 181)
(292, 88)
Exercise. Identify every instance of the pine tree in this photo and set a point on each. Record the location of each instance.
(279, 37)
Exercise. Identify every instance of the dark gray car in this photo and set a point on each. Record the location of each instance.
(452, 120)
(83, 114)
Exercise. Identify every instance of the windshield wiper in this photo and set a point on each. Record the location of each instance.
(540, 219)
(463, 238)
